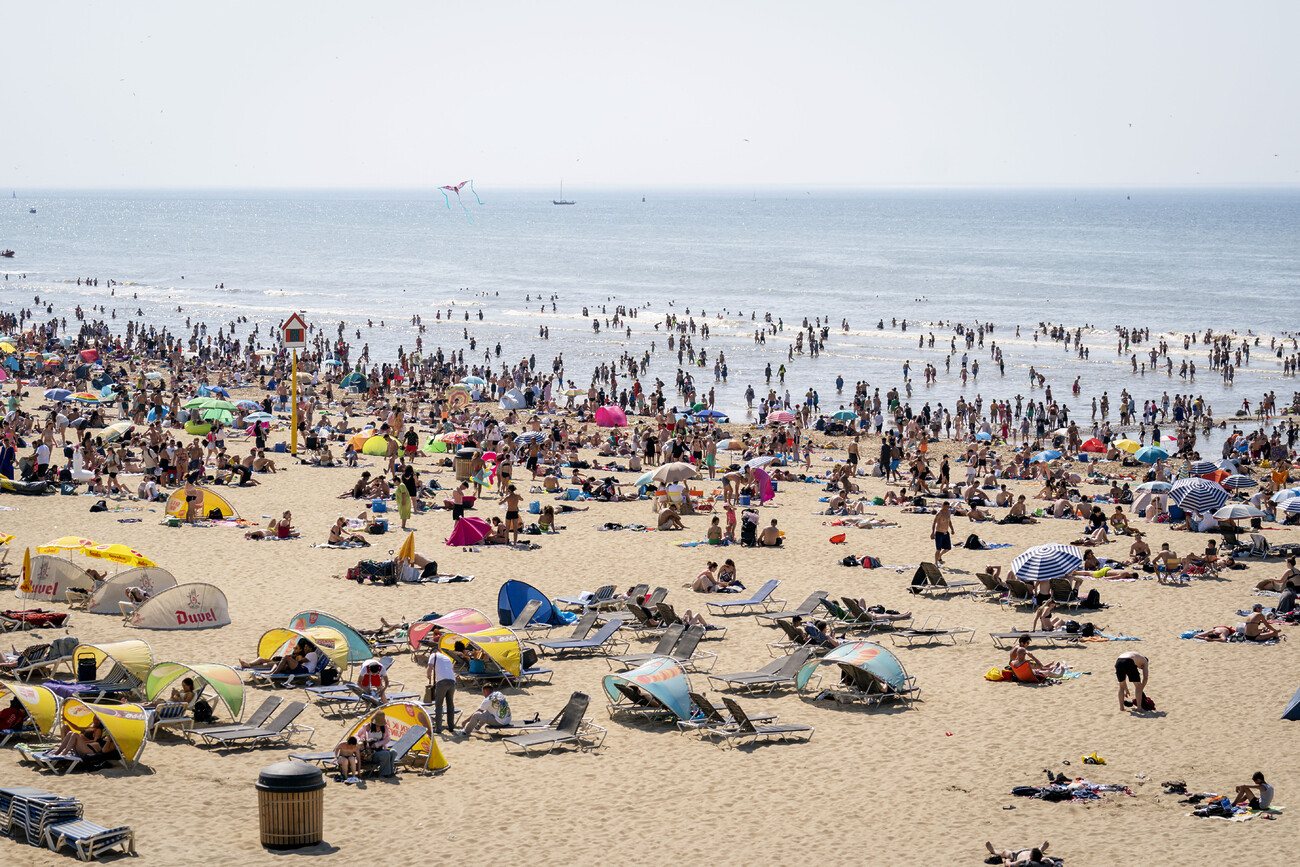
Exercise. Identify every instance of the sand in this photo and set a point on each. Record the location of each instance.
(929, 782)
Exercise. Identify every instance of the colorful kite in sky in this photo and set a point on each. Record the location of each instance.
(456, 188)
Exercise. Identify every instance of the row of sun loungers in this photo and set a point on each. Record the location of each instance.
(47, 820)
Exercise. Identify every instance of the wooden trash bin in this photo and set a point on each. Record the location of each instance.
(464, 463)
(291, 805)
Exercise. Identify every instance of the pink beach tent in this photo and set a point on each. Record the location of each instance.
(610, 416)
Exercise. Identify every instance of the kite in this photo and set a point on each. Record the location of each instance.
(456, 188)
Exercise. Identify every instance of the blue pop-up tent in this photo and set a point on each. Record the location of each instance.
(514, 595)
(1292, 711)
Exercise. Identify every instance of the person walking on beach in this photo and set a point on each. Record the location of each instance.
(1132, 667)
(441, 674)
(941, 533)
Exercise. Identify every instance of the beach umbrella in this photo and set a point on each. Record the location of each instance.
(761, 461)
(983, 436)
(65, 543)
(221, 415)
(57, 394)
(1151, 454)
(85, 397)
(845, 415)
(1127, 445)
(153, 375)
(610, 416)
(8, 348)
(1239, 481)
(670, 474)
(1228, 465)
(473, 380)
(1045, 456)
(1093, 445)
(1286, 494)
(332, 362)
(252, 405)
(706, 414)
(455, 437)
(264, 352)
(1154, 487)
(1238, 512)
(5, 539)
(1044, 562)
(376, 446)
(117, 430)
(1292, 506)
(117, 553)
(530, 437)
(1200, 468)
(644, 479)
(781, 417)
(1198, 495)
(305, 377)
(468, 531)
(255, 417)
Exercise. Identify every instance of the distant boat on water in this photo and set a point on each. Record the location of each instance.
(8, 254)
(31, 210)
(562, 200)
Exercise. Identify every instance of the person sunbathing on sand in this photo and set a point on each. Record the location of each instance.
(1019, 856)
(1216, 633)
(338, 535)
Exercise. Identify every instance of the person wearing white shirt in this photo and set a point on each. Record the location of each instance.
(442, 676)
(494, 712)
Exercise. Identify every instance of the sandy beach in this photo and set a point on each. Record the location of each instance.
(933, 779)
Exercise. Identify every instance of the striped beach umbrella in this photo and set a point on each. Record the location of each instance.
(781, 417)
(1239, 481)
(1201, 468)
(1198, 495)
(1292, 506)
(1154, 487)
(1151, 454)
(1045, 562)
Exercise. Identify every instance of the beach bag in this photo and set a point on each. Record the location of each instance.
(973, 543)
(214, 514)
(871, 563)
(996, 675)
(535, 508)
(202, 711)
(385, 763)
(329, 676)
(100, 506)
(1092, 600)
(378, 528)
(850, 561)
(1147, 703)
(1087, 631)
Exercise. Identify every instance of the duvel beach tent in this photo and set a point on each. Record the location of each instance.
(106, 597)
(662, 678)
(223, 679)
(462, 621)
(515, 595)
(133, 654)
(125, 723)
(280, 640)
(185, 606)
(50, 578)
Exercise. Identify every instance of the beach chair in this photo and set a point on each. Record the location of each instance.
(31, 811)
(870, 620)
(119, 683)
(794, 639)
(708, 716)
(88, 839)
(1258, 547)
(931, 631)
(643, 622)
(27, 729)
(278, 730)
(568, 728)
(762, 598)
(401, 749)
(603, 598)
(1003, 640)
(1019, 593)
(667, 641)
(930, 581)
(993, 588)
(668, 616)
(635, 702)
(581, 629)
(28, 662)
(746, 729)
(806, 609)
(778, 672)
(602, 642)
(61, 763)
(168, 715)
(524, 620)
(1063, 592)
(255, 719)
(659, 594)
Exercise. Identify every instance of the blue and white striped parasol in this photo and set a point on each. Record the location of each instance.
(1198, 495)
(1202, 468)
(1239, 481)
(1045, 562)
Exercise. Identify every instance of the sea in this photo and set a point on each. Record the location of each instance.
(1173, 261)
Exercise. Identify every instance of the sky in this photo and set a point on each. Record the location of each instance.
(703, 94)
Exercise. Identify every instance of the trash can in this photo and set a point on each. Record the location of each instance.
(465, 463)
(291, 805)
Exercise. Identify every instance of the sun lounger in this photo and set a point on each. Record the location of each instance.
(683, 650)
(643, 621)
(26, 730)
(168, 715)
(278, 730)
(667, 641)
(31, 811)
(581, 629)
(763, 599)
(569, 728)
(862, 686)
(255, 720)
(931, 633)
(746, 729)
(603, 598)
(88, 839)
(993, 588)
(930, 581)
(668, 616)
(1063, 592)
(1020, 592)
(602, 642)
(119, 683)
(709, 716)
(29, 661)
(779, 672)
(870, 620)
(794, 639)
(1052, 639)
(401, 749)
(61, 763)
(524, 620)
(635, 702)
(806, 609)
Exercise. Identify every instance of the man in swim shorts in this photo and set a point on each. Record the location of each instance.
(1132, 667)
(941, 533)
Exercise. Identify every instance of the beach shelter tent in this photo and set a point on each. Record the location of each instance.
(210, 500)
(513, 399)
(359, 649)
(106, 597)
(498, 642)
(125, 723)
(355, 379)
(856, 659)
(610, 416)
(398, 717)
(375, 446)
(1292, 711)
(462, 621)
(662, 678)
(514, 595)
(49, 578)
(328, 640)
(42, 704)
(186, 606)
(223, 679)
(133, 654)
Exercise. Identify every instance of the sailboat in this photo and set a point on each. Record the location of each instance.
(562, 200)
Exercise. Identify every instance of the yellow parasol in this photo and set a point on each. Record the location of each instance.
(67, 543)
(5, 539)
(119, 554)
(25, 586)
(1127, 445)
(407, 551)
